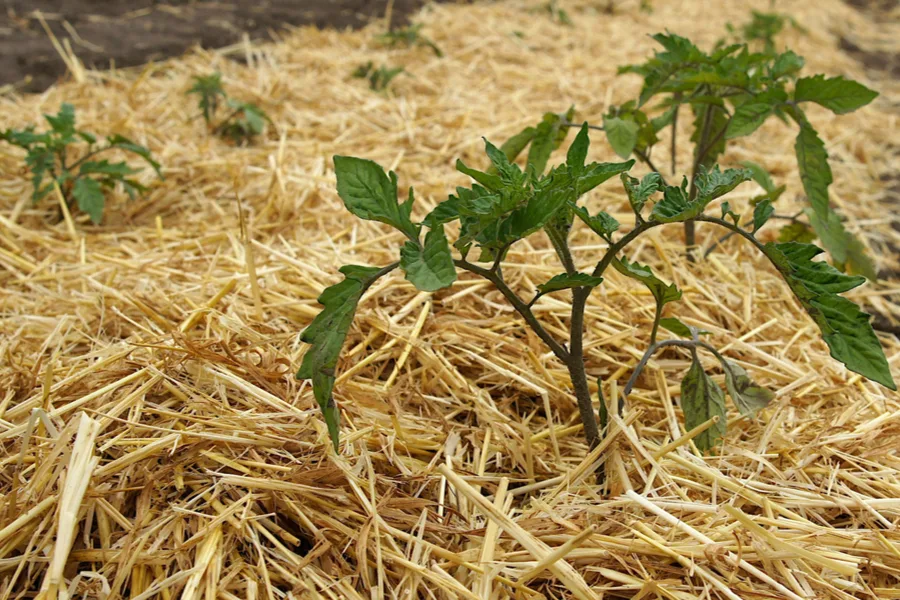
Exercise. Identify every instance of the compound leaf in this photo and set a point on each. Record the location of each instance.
(675, 206)
(837, 94)
(603, 224)
(701, 400)
(639, 191)
(429, 267)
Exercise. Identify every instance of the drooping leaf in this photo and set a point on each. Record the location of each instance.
(759, 174)
(120, 141)
(845, 248)
(565, 281)
(761, 214)
(837, 94)
(622, 135)
(603, 224)
(701, 400)
(429, 267)
(746, 395)
(639, 191)
(661, 292)
(815, 174)
(90, 198)
(104, 167)
(796, 232)
(327, 333)
(747, 118)
(677, 327)
(370, 194)
(513, 147)
(844, 327)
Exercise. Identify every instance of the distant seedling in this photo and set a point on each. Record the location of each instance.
(50, 156)
(409, 37)
(556, 13)
(244, 120)
(763, 27)
(380, 78)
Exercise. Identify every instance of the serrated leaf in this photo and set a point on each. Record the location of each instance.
(596, 173)
(622, 135)
(746, 395)
(675, 206)
(815, 173)
(603, 224)
(548, 136)
(844, 327)
(120, 141)
(327, 333)
(445, 212)
(716, 183)
(845, 248)
(747, 118)
(787, 63)
(510, 173)
(89, 195)
(63, 122)
(565, 281)
(513, 147)
(677, 327)
(538, 211)
(761, 214)
(578, 150)
(370, 194)
(837, 94)
(639, 191)
(491, 182)
(429, 267)
(701, 400)
(118, 170)
(662, 292)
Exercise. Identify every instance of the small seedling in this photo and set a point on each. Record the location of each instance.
(732, 92)
(556, 13)
(763, 27)
(380, 78)
(84, 181)
(244, 120)
(506, 204)
(409, 37)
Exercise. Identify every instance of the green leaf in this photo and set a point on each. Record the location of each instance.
(796, 232)
(844, 327)
(787, 63)
(837, 94)
(727, 212)
(445, 212)
(548, 136)
(815, 174)
(90, 198)
(761, 214)
(370, 194)
(714, 120)
(675, 206)
(117, 170)
(209, 88)
(510, 173)
(63, 123)
(538, 211)
(759, 174)
(641, 191)
(513, 147)
(746, 395)
(747, 118)
(578, 150)
(677, 327)
(429, 267)
(661, 292)
(715, 183)
(622, 135)
(491, 182)
(327, 333)
(565, 281)
(845, 248)
(596, 173)
(602, 224)
(701, 400)
(120, 141)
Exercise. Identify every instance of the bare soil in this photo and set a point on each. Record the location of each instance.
(134, 32)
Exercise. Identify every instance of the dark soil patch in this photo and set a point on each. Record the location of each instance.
(134, 32)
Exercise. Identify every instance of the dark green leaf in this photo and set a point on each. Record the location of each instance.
(747, 118)
(746, 395)
(761, 214)
(844, 247)
(844, 327)
(120, 141)
(430, 267)
(510, 173)
(641, 191)
(727, 212)
(327, 333)
(622, 135)
(578, 150)
(701, 400)
(712, 120)
(63, 123)
(118, 170)
(565, 281)
(677, 327)
(538, 211)
(661, 292)
(715, 183)
(675, 206)
(548, 136)
(370, 194)
(837, 94)
(513, 147)
(596, 173)
(209, 88)
(796, 232)
(602, 224)
(787, 63)
(759, 175)
(491, 182)
(815, 174)
(90, 198)
(446, 211)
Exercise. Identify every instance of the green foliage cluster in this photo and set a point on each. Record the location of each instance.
(243, 120)
(66, 157)
(379, 79)
(763, 27)
(731, 92)
(506, 204)
(409, 36)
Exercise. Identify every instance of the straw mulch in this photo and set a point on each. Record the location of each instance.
(156, 444)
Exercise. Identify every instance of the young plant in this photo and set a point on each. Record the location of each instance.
(731, 93)
(243, 121)
(380, 78)
(51, 158)
(763, 27)
(409, 37)
(506, 204)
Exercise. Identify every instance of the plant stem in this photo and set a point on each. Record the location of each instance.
(577, 372)
(519, 305)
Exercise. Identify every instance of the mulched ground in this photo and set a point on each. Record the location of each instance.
(133, 32)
